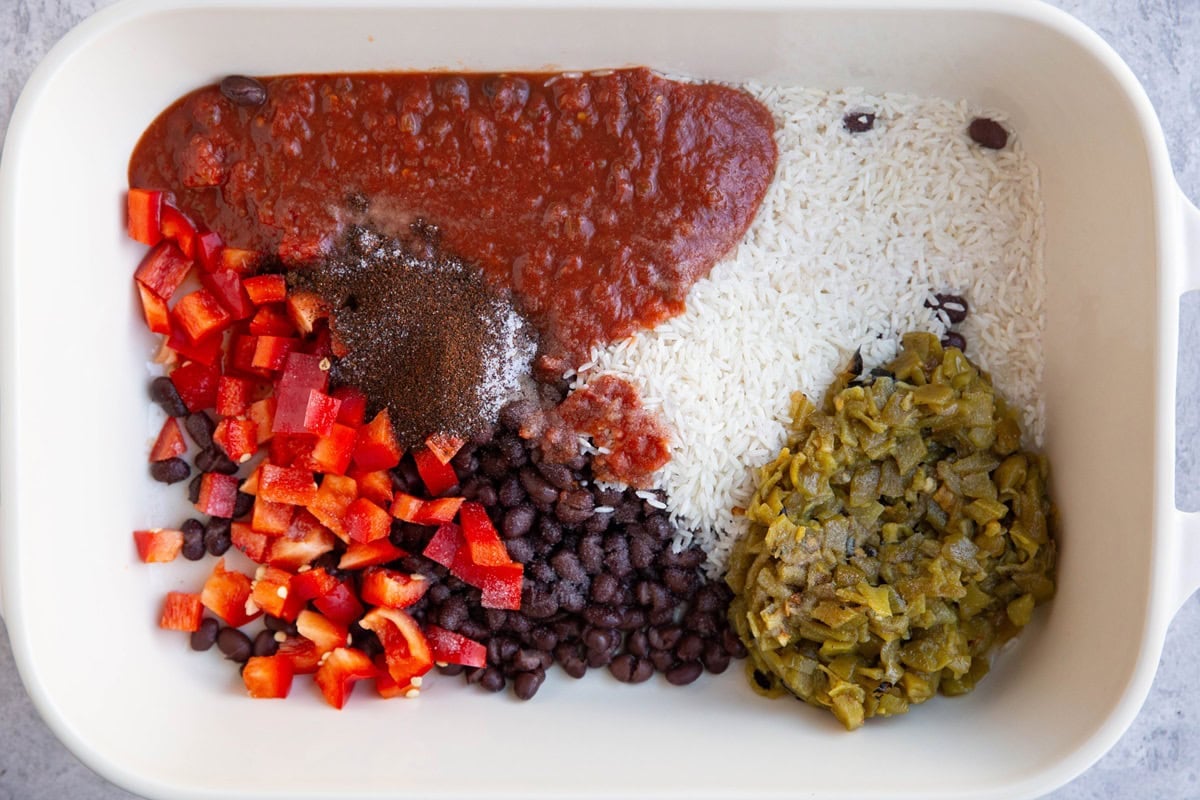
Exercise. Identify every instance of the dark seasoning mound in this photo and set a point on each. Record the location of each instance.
(427, 337)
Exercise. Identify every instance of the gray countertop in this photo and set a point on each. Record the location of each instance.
(1157, 757)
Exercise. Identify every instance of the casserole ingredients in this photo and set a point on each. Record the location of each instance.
(899, 537)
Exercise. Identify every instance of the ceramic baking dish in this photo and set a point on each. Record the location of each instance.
(1122, 245)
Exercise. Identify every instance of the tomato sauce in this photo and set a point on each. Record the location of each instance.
(598, 199)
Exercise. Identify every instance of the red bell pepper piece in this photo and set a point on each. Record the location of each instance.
(262, 412)
(449, 647)
(331, 454)
(340, 604)
(177, 227)
(271, 592)
(313, 583)
(286, 485)
(291, 450)
(301, 654)
(334, 496)
(199, 314)
(263, 289)
(376, 485)
(154, 309)
(225, 594)
(304, 309)
(301, 545)
(144, 222)
(483, 542)
(251, 542)
(444, 446)
(438, 478)
(388, 688)
(273, 519)
(181, 612)
(444, 546)
(208, 250)
(366, 522)
(501, 584)
(240, 261)
(233, 396)
(387, 587)
(369, 554)
(206, 351)
(320, 413)
(169, 443)
(438, 511)
(163, 269)
(320, 630)
(353, 411)
(226, 286)
(340, 670)
(271, 352)
(238, 438)
(159, 545)
(268, 676)
(271, 321)
(303, 372)
(218, 494)
(196, 384)
(376, 446)
(406, 507)
(405, 648)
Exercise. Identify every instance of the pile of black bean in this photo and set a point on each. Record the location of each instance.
(603, 586)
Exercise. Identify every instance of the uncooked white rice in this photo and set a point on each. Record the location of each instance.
(855, 234)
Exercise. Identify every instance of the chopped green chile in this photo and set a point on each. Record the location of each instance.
(898, 539)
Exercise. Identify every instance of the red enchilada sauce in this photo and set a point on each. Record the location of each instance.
(598, 199)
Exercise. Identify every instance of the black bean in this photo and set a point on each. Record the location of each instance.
(243, 91)
(763, 681)
(549, 530)
(542, 604)
(715, 659)
(194, 488)
(513, 414)
(265, 644)
(543, 638)
(599, 658)
(954, 305)
(605, 588)
(638, 643)
(566, 565)
(661, 616)
(525, 660)
(732, 644)
(540, 490)
(216, 536)
(628, 510)
(487, 496)
(988, 133)
(242, 504)
(275, 624)
(213, 459)
(616, 555)
(206, 635)
(501, 649)
(473, 630)
(632, 619)
(163, 392)
(690, 647)
(512, 451)
(558, 474)
(234, 644)
(954, 339)
(517, 521)
(452, 614)
(465, 461)
(451, 669)
(599, 639)
(664, 637)
(574, 506)
(492, 680)
(641, 551)
(684, 674)
(200, 427)
(526, 684)
(591, 554)
(193, 539)
(701, 623)
(679, 581)
(602, 616)
(622, 667)
(520, 550)
(172, 470)
(858, 121)
(510, 492)
(572, 662)
(662, 660)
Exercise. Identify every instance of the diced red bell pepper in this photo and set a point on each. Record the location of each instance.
(444, 546)
(240, 261)
(438, 510)
(263, 414)
(387, 587)
(449, 647)
(291, 450)
(218, 494)
(406, 507)
(386, 686)
(181, 612)
(340, 604)
(320, 630)
(301, 654)
(444, 446)
(250, 485)
(369, 554)
(144, 221)
(225, 594)
(197, 385)
(334, 496)
(238, 438)
(483, 542)
(304, 309)
(286, 485)
(501, 584)
(233, 396)
(339, 671)
(320, 415)
(271, 321)
(163, 269)
(241, 354)
(199, 314)
(405, 647)
(331, 454)
(273, 519)
(268, 676)
(313, 583)
(376, 446)
(376, 485)
(154, 309)
(169, 443)
(206, 351)
(303, 372)
(366, 522)
(208, 250)
(263, 289)
(271, 591)
(271, 352)
(226, 286)
(353, 411)
(177, 227)
(288, 553)
(159, 545)
(251, 542)
(438, 478)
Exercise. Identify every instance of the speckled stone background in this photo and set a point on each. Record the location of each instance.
(1159, 757)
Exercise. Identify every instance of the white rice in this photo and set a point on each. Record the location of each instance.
(855, 234)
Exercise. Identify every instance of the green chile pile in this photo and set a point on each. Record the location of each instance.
(896, 541)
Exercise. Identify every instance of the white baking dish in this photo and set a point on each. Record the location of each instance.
(136, 705)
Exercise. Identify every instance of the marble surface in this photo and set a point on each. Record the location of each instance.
(1157, 756)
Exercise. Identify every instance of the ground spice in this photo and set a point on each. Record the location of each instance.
(427, 338)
